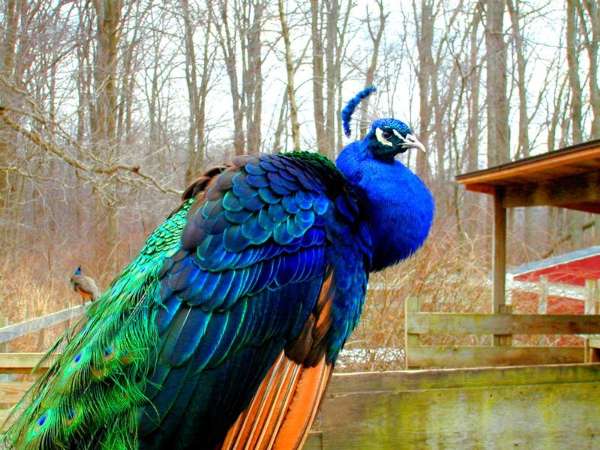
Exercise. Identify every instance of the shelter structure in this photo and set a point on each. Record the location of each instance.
(562, 284)
(566, 178)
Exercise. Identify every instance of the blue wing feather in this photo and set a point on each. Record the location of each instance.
(252, 262)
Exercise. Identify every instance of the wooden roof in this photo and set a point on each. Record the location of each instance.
(569, 178)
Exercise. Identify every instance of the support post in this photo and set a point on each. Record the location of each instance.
(543, 302)
(591, 297)
(411, 305)
(499, 263)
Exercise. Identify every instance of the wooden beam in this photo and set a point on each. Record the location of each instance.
(501, 324)
(12, 391)
(584, 189)
(464, 378)
(23, 362)
(438, 356)
(29, 326)
(571, 158)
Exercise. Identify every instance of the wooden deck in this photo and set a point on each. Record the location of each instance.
(541, 407)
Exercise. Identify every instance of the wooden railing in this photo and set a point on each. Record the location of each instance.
(11, 332)
(17, 363)
(24, 363)
(503, 325)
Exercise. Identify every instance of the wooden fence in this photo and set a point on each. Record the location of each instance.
(536, 407)
(11, 332)
(502, 327)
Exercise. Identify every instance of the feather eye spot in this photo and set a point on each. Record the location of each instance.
(108, 353)
(42, 420)
(71, 415)
(77, 357)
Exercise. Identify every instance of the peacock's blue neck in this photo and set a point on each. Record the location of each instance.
(398, 208)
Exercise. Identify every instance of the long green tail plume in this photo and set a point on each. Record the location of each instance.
(100, 376)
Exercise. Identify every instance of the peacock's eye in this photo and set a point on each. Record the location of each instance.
(386, 134)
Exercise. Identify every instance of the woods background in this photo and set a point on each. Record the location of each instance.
(110, 107)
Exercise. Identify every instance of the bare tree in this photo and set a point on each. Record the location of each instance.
(104, 121)
(497, 102)
(573, 70)
(198, 86)
(289, 68)
(376, 36)
(589, 16)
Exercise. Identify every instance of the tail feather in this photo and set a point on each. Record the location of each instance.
(283, 408)
(101, 375)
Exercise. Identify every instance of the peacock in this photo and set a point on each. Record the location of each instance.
(84, 285)
(224, 330)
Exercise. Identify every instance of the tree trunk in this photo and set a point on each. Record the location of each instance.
(573, 71)
(7, 136)
(108, 24)
(333, 13)
(497, 103)
(591, 40)
(318, 76)
(425, 22)
(228, 46)
(289, 67)
(197, 92)
(370, 75)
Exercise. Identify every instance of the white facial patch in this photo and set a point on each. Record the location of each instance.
(381, 139)
(398, 135)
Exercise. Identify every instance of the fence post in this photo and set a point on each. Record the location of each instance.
(411, 305)
(591, 297)
(543, 302)
(503, 340)
(3, 323)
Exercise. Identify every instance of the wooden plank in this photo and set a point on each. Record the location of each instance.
(22, 362)
(11, 392)
(3, 416)
(29, 326)
(437, 356)
(499, 261)
(410, 380)
(480, 324)
(569, 190)
(528, 413)
(594, 342)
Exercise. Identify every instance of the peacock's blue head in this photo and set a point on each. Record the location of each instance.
(388, 137)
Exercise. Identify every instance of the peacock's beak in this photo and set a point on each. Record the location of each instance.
(410, 141)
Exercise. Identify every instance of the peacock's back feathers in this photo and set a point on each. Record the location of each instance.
(187, 332)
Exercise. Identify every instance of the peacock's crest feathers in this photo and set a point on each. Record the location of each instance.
(351, 106)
